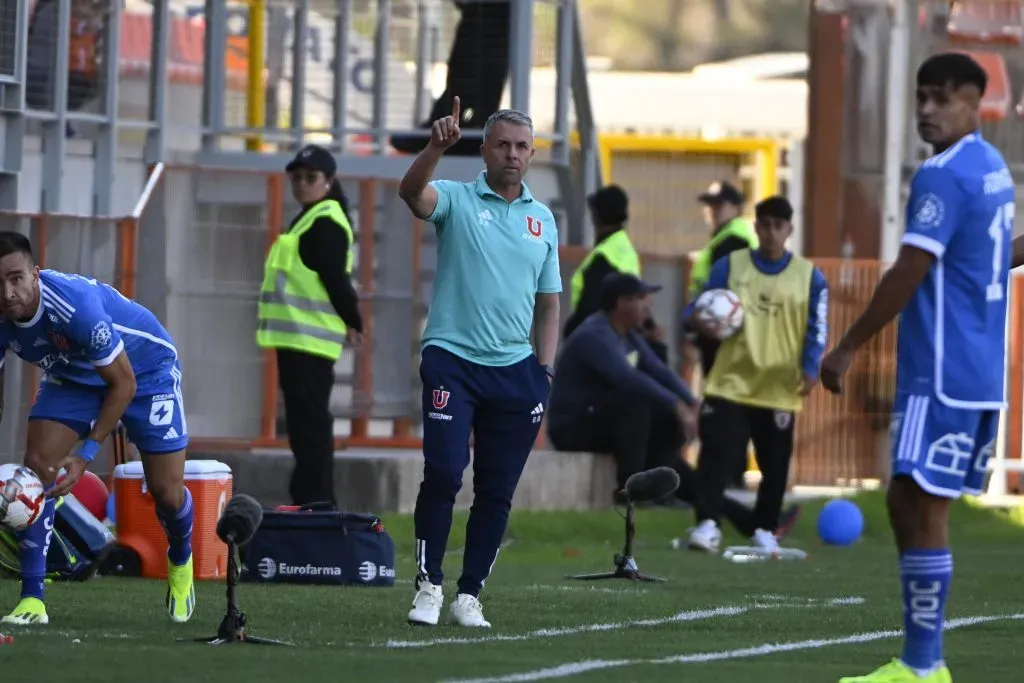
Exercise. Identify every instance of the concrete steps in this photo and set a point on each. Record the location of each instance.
(387, 480)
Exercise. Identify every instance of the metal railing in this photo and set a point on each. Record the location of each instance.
(101, 247)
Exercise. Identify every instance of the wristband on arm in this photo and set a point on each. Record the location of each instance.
(88, 450)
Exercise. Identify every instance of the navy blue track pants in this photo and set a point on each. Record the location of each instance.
(502, 407)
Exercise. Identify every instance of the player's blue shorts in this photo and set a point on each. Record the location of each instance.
(946, 450)
(155, 421)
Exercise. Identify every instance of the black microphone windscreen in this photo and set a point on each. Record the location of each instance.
(240, 519)
(652, 484)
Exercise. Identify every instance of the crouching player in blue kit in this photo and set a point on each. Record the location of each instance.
(949, 285)
(105, 358)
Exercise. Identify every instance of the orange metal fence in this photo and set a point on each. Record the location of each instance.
(99, 247)
(839, 439)
(400, 431)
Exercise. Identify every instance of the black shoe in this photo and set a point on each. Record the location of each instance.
(413, 143)
(787, 520)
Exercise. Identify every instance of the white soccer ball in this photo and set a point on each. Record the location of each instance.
(21, 496)
(720, 311)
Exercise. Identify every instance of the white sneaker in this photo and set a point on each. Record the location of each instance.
(426, 606)
(467, 611)
(706, 537)
(766, 541)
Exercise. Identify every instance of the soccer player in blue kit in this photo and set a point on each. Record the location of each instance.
(949, 286)
(105, 358)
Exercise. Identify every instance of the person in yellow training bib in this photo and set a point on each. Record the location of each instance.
(613, 252)
(730, 231)
(761, 374)
(308, 309)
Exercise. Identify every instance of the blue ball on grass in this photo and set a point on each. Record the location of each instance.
(840, 523)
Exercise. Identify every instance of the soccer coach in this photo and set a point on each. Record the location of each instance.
(497, 275)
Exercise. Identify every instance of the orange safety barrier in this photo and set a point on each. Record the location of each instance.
(995, 104)
(51, 232)
(401, 427)
(838, 439)
(994, 22)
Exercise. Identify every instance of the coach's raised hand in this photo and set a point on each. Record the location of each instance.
(446, 132)
(415, 189)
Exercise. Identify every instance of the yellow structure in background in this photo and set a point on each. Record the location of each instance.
(764, 152)
(664, 174)
(255, 109)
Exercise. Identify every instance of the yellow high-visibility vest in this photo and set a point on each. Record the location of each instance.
(761, 364)
(737, 227)
(618, 251)
(295, 311)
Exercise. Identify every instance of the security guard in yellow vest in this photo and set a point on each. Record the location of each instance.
(308, 309)
(613, 252)
(723, 204)
(761, 374)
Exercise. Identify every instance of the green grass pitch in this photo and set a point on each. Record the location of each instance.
(837, 613)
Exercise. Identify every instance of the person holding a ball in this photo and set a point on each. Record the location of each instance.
(761, 373)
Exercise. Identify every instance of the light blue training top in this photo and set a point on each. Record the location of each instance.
(493, 258)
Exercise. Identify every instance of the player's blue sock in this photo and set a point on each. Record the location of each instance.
(33, 545)
(926, 575)
(178, 527)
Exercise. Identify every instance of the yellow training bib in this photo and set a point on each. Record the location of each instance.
(761, 364)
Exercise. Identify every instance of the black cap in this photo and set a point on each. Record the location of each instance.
(316, 158)
(610, 205)
(722, 192)
(617, 285)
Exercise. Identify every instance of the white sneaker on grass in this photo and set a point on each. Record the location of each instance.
(426, 606)
(467, 611)
(706, 537)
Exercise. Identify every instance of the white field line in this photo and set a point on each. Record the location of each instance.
(689, 615)
(575, 668)
(75, 637)
(624, 590)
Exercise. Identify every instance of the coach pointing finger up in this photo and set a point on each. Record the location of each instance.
(497, 277)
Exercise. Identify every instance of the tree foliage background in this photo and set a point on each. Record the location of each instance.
(675, 35)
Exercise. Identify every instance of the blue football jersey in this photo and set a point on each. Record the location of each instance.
(82, 324)
(952, 332)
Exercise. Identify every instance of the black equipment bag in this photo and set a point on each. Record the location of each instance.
(319, 544)
(78, 545)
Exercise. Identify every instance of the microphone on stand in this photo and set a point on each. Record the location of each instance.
(236, 527)
(650, 484)
(240, 520)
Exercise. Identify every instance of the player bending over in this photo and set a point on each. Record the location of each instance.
(104, 358)
(949, 285)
